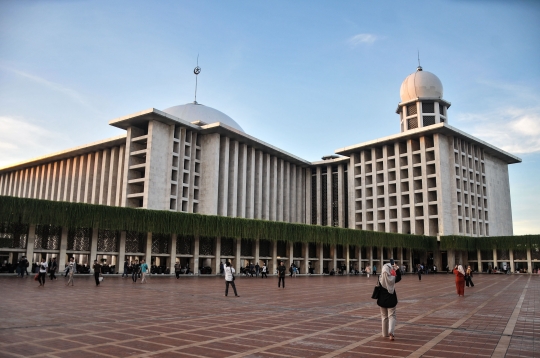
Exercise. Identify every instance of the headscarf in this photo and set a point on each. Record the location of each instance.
(460, 269)
(388, 280)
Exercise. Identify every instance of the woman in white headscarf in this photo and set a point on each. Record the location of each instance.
(460, 280)
(387, 300)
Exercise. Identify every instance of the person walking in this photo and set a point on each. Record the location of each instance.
(135, 266)
(264, 271)
(126, 268)
(52, 269)
(97, 271)
(281, 274)
(229, 278)
(468, 277)
(257, 269)
(144, 271)
(368, 270)
(460, 280)
(387, 300)
(42, 275)
(177, 269)
(419, 271)
(72, 267)
(374, 270)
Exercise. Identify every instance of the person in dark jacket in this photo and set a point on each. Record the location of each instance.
(387, 300)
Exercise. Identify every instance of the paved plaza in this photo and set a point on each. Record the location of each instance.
(312, 317)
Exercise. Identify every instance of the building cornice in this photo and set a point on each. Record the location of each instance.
(68, 153)
(441, 128)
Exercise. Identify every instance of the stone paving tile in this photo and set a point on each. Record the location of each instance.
(315, 316)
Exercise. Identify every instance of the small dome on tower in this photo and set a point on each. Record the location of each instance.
(193, 112)
(421, 84)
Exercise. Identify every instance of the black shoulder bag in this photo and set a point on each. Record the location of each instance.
(376, 290)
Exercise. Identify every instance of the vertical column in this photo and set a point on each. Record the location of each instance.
(320, 249)
(96, 179)
(292, 184)
(274, 258)
(291, 253)
(104, 177)
(93, 246)
(257, 251)
(112, 180)
(148, 251)
(172, 252)
(266, 187)
(529, 261)
(495, 261)
(232, 203)
(196, 243)
(30, 243)
(280, 195)
(286, 192)
(119, 198)
(341, 204)
(273, 188)
(371, 257)
(30, 183)
(48, 181)
(512, 267)
(24, 193)
(305, 250)
(347, 257)
(479, 258)
(250, 177)
(242, 181)
(238, 251)
(63, 248)
(307, 196)
(122, 252)
(63, 195)
(223, 176)
(258, 184)
(217, 254)
(333, 251)
(329, 178)
(451, 258)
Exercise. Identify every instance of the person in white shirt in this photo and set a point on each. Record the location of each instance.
(72, 267)
(42, 272)
(229, 279)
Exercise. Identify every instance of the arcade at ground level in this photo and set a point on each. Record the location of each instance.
(314, 316)
(46, 229)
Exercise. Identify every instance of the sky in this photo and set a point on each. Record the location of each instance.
(306, 76)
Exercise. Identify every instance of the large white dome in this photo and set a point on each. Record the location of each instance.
(421, 84)
(192, 112)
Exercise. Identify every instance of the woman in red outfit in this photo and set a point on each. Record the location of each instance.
(460, 280)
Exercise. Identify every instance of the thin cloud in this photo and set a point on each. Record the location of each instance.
(21, 140)
(362, 39)
(515, 130)
(70, 93)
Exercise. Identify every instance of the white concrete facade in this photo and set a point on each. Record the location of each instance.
(430, 179)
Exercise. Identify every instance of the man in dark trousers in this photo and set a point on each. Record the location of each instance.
(281, 274)
(126, 268)
(52, 269)
(97, 271)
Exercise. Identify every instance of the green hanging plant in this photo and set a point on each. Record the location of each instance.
(65, 214)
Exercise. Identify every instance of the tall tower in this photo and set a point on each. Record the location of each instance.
(422, 102)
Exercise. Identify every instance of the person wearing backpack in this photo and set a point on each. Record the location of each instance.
(387, 300)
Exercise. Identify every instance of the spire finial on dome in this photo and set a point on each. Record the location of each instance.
(419, 68)
(196, 71)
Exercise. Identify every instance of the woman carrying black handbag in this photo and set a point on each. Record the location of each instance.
(387, 300)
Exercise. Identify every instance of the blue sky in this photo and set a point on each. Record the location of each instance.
(306, 76)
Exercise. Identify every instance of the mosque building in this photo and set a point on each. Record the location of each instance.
(429, 179)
